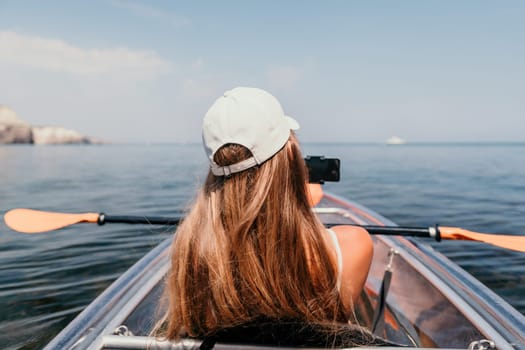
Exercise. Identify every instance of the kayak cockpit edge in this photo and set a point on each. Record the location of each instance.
(431, 302)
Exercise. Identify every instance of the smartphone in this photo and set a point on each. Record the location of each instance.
(321, 169)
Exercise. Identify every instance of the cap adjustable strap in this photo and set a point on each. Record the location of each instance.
(233, 168)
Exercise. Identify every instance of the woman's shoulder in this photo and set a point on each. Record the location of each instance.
(348, 235)
(357, 250)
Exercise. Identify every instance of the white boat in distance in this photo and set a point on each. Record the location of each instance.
(395, 140)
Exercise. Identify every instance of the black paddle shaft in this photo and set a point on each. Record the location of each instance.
(432, 232)
(128, 219)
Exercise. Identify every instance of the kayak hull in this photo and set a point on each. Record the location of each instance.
(429, 302)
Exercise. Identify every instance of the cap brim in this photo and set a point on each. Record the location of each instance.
(292, 123)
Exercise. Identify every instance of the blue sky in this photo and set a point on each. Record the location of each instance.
(352, 71)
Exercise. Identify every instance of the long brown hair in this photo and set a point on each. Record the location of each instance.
(251, 247)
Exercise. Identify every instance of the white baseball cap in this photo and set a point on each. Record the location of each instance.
(249, 117)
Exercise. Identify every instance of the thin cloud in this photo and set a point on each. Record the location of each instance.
(151, 12)
(202, 90)
(284, 76)
(59, 56)
(198, 64)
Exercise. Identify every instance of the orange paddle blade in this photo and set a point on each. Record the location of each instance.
(504, 241)
(34, 221)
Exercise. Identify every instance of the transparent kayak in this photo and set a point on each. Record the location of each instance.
(414, 296)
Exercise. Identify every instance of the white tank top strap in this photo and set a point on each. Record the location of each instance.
(339, 257)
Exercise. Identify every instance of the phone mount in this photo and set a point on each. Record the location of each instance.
(321, 169)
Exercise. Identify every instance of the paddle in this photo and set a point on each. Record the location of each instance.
(35, 221)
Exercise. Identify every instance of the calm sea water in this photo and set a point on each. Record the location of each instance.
(48, 278)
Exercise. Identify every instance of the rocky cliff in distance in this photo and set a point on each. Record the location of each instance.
(12, 129)
(15, 130)
(55, 135)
